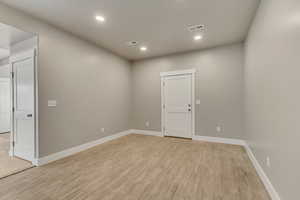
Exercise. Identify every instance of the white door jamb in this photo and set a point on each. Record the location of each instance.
(16, 57)
(174, 73)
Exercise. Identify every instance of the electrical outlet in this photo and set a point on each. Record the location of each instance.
(102, 130)
(268, 161)
(147, 124)
(218, 129)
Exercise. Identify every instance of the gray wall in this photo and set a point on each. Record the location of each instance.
(219, 86)
(91, 86)
(4, 61)
(272, 75)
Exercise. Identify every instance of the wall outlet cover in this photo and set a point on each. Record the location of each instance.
(268, 161)
(219, 129)
(147, 124)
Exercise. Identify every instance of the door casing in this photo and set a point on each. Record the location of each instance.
(191, 72)
(7, 80)
(17, 57)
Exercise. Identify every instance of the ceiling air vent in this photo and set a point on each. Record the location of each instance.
(196, 28)
(132, 43)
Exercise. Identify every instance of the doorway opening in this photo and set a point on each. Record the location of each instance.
(18, 100)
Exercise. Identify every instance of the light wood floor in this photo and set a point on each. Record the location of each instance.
(142, 167)
(10, 165)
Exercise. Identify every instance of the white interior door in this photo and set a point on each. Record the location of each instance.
(177, 106)
(5, 105)
(24, 106)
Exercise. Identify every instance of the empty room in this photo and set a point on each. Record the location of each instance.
(160, 99)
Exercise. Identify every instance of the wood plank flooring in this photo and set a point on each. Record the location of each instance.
(145, 168)
(10, 165)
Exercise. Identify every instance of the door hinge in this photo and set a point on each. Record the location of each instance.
(12, 74)
(13, 109)
(13, 143)
(164, 83)
(164, 106)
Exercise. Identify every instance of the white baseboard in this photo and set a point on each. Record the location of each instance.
(145, 132)
(263, 176)
(68, 152)
(77, 149)
(266, 181)
(220, 140)
(200, 138)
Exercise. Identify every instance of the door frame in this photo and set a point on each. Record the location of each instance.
(191, 72)
(14, 58)
(7, 79)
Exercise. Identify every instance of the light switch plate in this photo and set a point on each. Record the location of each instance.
(52, 103)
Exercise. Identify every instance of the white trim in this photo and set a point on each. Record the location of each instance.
(68, 152)
(32, 53)
(263, 176)
(83, 147)
(145, 132)
(37, 144)
(77, 149)
(11, 139)
(180, 72)
(22, 56)
(220, 140)
(175, 73)
(162, 96)
(193, 103)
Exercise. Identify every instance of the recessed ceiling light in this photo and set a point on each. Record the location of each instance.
(100, 18)
(198, 37)
(143, 48)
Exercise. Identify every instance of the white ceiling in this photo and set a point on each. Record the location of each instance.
(159, 24)
(10, 35)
